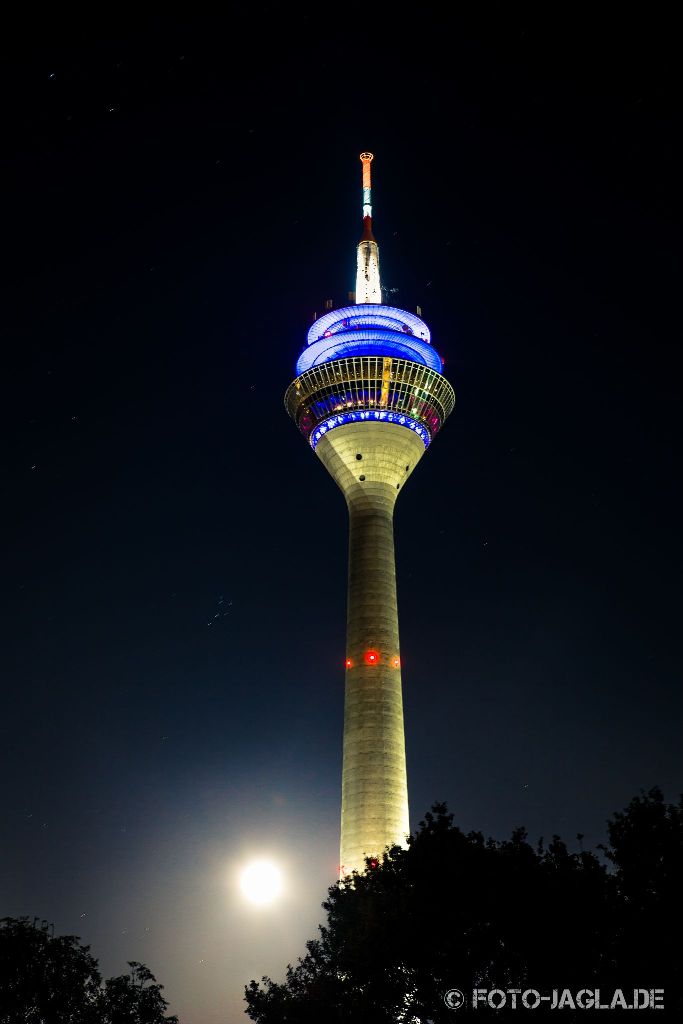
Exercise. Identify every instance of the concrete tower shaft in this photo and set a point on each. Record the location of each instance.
(370, 462)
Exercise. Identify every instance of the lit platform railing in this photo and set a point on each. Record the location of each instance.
(384, 387)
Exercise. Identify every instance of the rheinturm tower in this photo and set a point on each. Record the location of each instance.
(369, 397)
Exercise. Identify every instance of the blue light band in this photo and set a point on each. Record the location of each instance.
(367, 415)
(368, 341)
(368, 315)
(368, 329)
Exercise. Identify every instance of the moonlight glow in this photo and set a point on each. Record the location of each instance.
(261, 882)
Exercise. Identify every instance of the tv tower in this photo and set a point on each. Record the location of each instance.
(369, 397)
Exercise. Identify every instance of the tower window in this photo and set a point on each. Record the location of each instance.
(361, 478)
(359, 457)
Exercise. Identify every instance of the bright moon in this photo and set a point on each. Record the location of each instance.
(261, 882)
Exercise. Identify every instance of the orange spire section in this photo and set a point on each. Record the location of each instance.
(366, 160)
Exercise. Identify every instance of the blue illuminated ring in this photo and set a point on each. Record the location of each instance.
(367, 314)
(368, 341)
(368, 416)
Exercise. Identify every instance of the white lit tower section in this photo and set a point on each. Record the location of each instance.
(369, 397)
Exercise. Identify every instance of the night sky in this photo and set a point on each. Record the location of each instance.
(179, 198)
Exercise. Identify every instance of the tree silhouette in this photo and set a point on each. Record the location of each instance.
(46, 979)
(55, 979)
(646, 850)
(456, 910)
(134, 998)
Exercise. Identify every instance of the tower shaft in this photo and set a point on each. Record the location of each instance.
(374, 782)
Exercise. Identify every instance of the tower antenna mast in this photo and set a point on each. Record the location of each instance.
(368, 286)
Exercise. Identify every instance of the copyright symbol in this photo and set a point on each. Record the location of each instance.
(454, 999)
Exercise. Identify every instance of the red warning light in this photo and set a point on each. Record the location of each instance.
(373, 863)
(371, 657)
(348, 663)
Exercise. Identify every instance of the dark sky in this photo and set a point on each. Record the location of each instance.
(179, 197)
